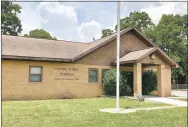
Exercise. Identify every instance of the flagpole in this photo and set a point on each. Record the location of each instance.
(118, 50)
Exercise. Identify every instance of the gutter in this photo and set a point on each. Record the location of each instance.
(11, 57)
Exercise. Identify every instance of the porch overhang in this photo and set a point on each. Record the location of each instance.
(138, 55)
(143, 59)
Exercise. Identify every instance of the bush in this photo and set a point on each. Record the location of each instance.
(149, 82)
(129, 81)
(109, 83)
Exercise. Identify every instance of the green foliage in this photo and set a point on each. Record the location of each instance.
(139, 20)
(40, 33)
(149, 82)
(150, 33)
(10, 23)
(109, 83)
(170, 35)
(106, 32)
(129, 77)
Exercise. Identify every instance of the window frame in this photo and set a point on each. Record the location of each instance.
(96, 76)
(41, 75)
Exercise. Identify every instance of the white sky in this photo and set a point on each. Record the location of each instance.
(81, 21)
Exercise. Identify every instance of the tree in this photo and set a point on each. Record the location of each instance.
(10, 23)
(170, 36)
(139, 20)
(106, 32)
(40, 33)
(150, 33)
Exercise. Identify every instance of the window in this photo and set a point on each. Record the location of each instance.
(35, 73)
(93, 75)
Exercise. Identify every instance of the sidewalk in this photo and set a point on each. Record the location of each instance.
(174, 103)
(180, 93)
(124, 111)
(166, 100)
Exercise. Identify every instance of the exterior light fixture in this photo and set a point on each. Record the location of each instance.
(152, 56)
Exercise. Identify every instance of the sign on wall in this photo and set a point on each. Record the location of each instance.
(66, 73)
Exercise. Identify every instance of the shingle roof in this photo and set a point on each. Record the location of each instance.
(17, 47)
(32, 47)
(14, 47)
(136, 55)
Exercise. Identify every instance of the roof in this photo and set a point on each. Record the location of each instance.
(15, 47)
(138, 55)
(103, 41)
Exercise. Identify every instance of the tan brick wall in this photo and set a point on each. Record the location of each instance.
(164, 80)
(168, 80)
(16, 85)
(137, 79)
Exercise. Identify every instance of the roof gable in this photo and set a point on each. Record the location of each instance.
(103, 41)
(136, 56)
(139, 55)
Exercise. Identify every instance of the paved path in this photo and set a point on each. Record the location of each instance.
(167, 101)
(173, 102)
(124, 111)
(179, 93)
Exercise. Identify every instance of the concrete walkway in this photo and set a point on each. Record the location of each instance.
(173, 102)
(124, 111)
(166, 100)
(180, 93)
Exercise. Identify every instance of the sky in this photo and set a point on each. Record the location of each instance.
(83, 21)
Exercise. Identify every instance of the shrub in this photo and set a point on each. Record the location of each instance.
(149, 82)
(109, 83)
(129, 81)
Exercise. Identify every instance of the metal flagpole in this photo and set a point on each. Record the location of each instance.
(118, 50)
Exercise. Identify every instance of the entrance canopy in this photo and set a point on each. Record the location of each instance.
(151, 55)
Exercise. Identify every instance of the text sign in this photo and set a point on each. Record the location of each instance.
(66, 73)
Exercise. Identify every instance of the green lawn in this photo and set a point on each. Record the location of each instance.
(85, 113)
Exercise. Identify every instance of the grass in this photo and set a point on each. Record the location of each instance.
(85, 113)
